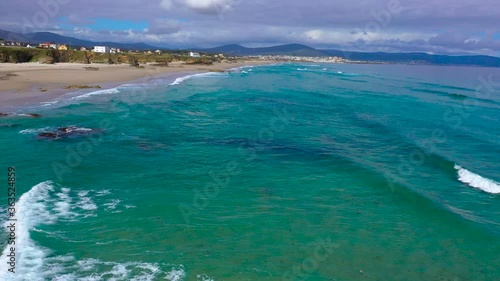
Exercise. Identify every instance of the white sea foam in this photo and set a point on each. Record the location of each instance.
(31, 210)
(179, 80)
(204, 277)
(477, 181)
(176, 274)
(100, 92)
(85, 202)
(46, 204)
(41, 205)
(35, 131)
(94, 270)
(103, 192)
(48, 103)
(63, 206)
(111, 205)
(71, 128)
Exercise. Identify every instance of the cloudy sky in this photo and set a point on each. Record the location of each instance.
(444, 26)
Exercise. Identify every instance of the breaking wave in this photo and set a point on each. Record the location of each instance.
(477, 181)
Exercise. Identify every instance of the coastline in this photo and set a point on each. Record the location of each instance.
(28, 84)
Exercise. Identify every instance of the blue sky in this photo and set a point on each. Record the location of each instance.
(106, 24)
(445, 26)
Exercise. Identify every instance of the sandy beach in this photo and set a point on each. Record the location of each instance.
(31, 83)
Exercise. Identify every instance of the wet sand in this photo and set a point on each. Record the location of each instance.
(31, 83)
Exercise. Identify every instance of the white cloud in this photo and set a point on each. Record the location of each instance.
(209, 5)
(213, 7)
(166, 4)
(82, 31)
(164, 26)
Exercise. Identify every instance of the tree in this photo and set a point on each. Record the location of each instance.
(88, 57)
(133, 61)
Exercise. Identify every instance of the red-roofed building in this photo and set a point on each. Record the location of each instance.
(45, 45)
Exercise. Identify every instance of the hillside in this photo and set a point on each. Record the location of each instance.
(411, 58)
(40, 37)
(290, 49)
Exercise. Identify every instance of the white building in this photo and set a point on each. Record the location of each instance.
(101, 49)
(194, 55)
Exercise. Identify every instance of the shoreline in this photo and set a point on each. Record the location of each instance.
(30, 84)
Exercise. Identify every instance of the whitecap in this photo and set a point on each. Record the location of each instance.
(204, 277)
(103, 192)
(176, 274)
(100, 92)
(85, 203)
(477, 181)
(179, 80)
(41, 205)
(31, 210)
(46, 204)
(35, 131)
(112, 205)
(71, 128)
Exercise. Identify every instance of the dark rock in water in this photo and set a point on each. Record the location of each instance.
(65, 129)
(68, 132)
(48, 135)
(34, 115)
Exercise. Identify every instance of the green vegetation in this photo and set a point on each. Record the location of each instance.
(204, 60)
(20, 55)
(16, 55)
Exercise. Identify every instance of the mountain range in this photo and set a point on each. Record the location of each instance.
(290, 49)
(413, 58)
(41, 37)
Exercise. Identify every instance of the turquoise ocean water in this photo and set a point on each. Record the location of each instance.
(282, 172)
